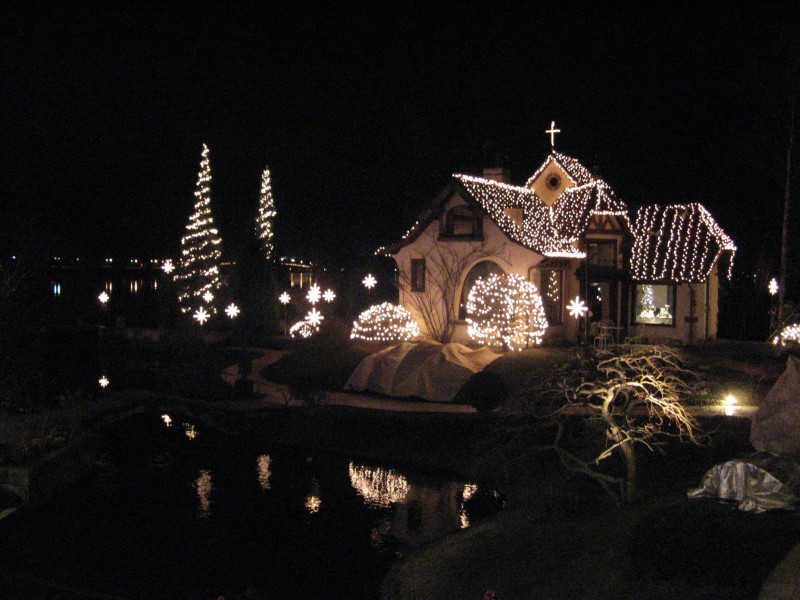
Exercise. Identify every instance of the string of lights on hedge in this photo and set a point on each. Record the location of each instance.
(385, 322)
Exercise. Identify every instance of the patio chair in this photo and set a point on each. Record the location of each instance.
(602, 336)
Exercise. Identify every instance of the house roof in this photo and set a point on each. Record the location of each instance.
(678, 242)
(549, 230)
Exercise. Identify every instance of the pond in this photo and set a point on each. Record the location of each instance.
(178, 511)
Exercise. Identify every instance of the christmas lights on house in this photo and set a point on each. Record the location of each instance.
(266, 215)
(198, 267)
(506, 310)
(385, 322)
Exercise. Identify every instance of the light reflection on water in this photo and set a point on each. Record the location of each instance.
(204, 488)
(264, 473)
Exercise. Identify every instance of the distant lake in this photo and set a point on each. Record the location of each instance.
(178, 511)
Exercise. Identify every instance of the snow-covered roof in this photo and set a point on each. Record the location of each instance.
(677, 242)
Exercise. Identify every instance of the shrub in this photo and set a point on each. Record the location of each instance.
(484, 391)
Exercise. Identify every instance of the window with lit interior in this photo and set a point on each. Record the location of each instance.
(654, 304)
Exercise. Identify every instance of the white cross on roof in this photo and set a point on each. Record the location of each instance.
(553, 131)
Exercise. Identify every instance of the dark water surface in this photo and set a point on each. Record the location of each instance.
(182, 512)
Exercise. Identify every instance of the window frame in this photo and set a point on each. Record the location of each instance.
(447, 231)
(559, 304)
(417, 274)
(612, 242)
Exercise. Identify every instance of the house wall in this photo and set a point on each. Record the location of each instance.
(454, 258)
(693, 324)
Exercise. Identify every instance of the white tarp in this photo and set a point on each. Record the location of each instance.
(776, 424)
(758, 483)
(423, 370)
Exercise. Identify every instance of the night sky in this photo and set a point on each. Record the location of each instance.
(362, 118)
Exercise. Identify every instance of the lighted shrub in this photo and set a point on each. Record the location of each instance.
(506, 310)
(385, 322)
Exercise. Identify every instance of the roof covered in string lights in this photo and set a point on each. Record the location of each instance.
(678, 242)
(549, 230)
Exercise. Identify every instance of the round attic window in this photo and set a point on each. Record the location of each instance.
(553, 181)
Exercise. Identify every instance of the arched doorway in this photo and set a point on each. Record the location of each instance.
(480, 270)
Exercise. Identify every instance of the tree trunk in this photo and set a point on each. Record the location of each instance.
(785, 229)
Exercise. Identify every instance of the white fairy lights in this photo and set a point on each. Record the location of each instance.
(303, 329)
(378, 486)
(789, 334)
(369, 281)
(506, 309)
(773, 286)
(198, 270)
(385, 322)
(678, 242)
(265, 216)
(577, 308)
(314, 294)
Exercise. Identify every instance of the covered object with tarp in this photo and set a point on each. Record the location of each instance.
(426, 370)
(758, 483)
(776, 424)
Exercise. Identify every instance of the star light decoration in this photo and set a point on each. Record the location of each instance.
(385, 322)
(201, 316)
(506, 310)
(328, 296)
(103, 297)
(369, 281)
(577, 308)
(168, 267)
(232, 311)
(284, 298)
(314, 294)
(208, 296)
(773, 286)
(103, 382)
(314, 317)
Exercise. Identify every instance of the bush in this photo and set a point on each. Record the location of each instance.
(484, 391)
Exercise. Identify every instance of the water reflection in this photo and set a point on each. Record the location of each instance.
(422, 508)
(167, 420)
(313, 500)
(190, 431)
(263, 464)
(378, 486)
(204, 487)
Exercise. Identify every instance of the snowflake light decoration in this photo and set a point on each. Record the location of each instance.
(284, 298)
(577, 308)
(328, 296)
(103, 382)
(506, 309)
(314, 317)
(314, 294)
(103, 297)
(232, 311)
(773, 286)
(369, 281)
(208, 296)
(201, 316)
(302, 329)
(168, 267)
(385, 322)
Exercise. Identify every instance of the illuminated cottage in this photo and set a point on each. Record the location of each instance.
(655, 276)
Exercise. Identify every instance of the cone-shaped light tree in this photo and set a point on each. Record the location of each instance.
(198, 275)
(266, 214)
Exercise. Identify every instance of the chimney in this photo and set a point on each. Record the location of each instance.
(497, 174)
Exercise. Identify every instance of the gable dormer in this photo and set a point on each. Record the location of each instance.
(550, 182)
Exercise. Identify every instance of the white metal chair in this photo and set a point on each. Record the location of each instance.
(602, 336)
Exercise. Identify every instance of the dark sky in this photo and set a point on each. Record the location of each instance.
(362, 118)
